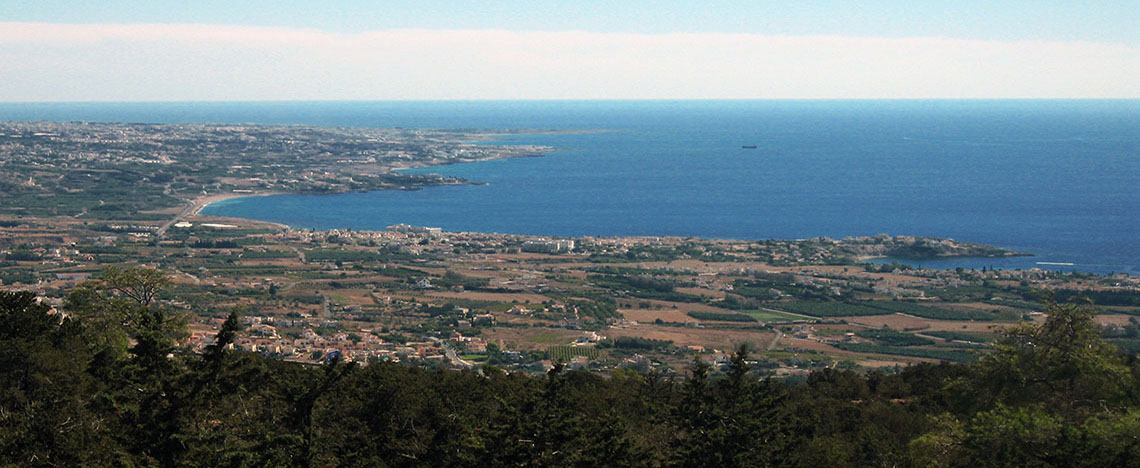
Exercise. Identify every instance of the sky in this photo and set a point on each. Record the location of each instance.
(208, 50)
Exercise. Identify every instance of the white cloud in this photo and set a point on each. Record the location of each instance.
(58, 62)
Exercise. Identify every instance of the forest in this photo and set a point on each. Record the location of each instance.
(104, 382)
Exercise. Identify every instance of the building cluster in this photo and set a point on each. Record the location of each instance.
(548, 245)
(261, 335)
(70, 142)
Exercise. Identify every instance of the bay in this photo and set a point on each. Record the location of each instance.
(1059, 179)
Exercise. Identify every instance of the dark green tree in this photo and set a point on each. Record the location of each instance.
(1050, 395)
(45, 390)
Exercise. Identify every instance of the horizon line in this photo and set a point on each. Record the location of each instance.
(789, 99)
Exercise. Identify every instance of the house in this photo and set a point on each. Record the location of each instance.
(72, 277)
(589, 337)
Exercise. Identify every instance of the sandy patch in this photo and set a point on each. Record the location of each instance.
(894, 321)
(981, 327)
(684, 336)
(354, 296)
(1114, 319)
(521, 298)
(904, 322)
(532, 339)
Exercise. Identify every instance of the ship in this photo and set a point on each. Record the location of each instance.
(749, 146)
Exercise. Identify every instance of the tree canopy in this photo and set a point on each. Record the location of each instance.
(103, 382)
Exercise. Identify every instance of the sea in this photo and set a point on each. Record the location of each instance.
(1059, 179)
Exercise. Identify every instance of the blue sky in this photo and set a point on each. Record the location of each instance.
(1098, 20)
(539, 49)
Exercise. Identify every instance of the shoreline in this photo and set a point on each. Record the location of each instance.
(492, 137)
(200, 203)
(204, 201)
(971, 261)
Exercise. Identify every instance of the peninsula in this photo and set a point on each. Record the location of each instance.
(126, 171)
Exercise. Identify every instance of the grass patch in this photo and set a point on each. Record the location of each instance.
(1129, 346)
(772, 316)
(546, 338)
(952, 335)
(831, 309)
(940, 354)
(894, 338)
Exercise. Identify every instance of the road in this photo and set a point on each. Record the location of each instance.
(775, 341)
(197, 204)
(454, 357)
(194, 206)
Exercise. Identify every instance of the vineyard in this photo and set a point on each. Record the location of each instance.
(564, 353)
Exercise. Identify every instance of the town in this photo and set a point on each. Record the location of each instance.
(426, 297)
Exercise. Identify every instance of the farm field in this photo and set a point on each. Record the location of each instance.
(773, 316)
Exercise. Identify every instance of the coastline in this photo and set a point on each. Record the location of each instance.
(940, 262)
(200, 203)
(492, 137)
(205, 200)
(990, 252)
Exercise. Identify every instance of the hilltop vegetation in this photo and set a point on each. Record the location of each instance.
(107, 385)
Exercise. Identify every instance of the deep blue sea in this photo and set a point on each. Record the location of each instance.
(1059, 179)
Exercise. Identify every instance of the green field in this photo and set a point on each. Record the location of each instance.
(544, 337)
(831, 309)
(772, 316)
(938, 313)
(720, 316)
(962, 336)
(940, 354)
